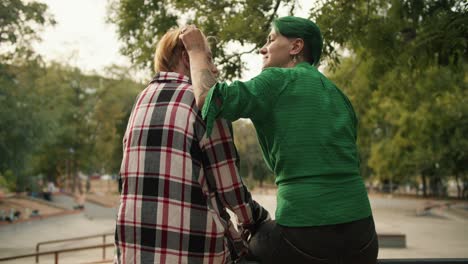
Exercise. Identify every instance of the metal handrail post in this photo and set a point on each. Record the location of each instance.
(104, 248)
(37, 251)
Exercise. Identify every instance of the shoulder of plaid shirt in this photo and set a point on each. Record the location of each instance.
(219, 178)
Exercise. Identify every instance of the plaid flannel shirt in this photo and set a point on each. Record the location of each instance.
(176, 182)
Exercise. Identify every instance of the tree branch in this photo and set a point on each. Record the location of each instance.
(291, 11)
(240, 54)
(270, 20)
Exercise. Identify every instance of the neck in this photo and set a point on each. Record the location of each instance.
(292, 64)
(181, 69)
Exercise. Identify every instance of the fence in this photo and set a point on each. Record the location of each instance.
(105, 245)
(56, 253)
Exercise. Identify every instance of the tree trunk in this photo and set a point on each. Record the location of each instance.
(465, 186)
(424, 184)
(67, 183)
(74, 175)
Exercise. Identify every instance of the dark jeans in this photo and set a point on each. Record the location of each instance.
(348, 243)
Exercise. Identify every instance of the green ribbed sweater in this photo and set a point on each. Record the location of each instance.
(307, 131)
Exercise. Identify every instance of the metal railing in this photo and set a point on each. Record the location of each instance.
(75, 239)
(380, 261)
(104, 245)
(57, 252)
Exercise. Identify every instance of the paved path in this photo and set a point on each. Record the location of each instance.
(94, 219)
(431, 235)
(436, 233)
(91, 210)
(21, 238)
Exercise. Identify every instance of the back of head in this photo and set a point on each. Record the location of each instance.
(168, 51)
(298, 27)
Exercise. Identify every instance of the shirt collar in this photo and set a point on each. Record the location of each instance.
(303, 64)
(171, 77)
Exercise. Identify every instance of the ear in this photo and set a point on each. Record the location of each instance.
(185, 59)
(297, 46)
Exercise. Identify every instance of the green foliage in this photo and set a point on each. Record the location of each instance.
(8, 181)
(91, 114)
(22, 117)
(412, 33)
(18, 26)
(253, 167)
(57, 121)
(407, 78)
(141, 23)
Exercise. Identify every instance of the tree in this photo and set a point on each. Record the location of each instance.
(421, 31)
(18, 26)
(57, 121)
(21, 119)
(253, 167)
(89, 118)
(141, 23)
(408, 60)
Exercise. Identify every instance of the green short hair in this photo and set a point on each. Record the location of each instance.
(298, 27)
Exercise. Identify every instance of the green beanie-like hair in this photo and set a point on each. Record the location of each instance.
(298, 27)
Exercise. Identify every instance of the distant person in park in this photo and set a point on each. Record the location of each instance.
(306, 127)
(176, 182)
(80, 199)
(48, 190)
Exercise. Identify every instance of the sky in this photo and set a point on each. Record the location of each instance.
(82, 37)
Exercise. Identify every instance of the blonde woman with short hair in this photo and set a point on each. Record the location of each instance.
(176, 182)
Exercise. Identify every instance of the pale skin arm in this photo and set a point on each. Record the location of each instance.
(200, 67)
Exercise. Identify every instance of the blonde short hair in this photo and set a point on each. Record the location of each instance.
(168, 51)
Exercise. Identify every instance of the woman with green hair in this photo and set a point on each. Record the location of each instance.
(306, 127)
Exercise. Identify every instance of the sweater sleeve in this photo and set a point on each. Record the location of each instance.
(251, 99)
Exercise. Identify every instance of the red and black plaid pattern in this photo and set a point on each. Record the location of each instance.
(176, 182)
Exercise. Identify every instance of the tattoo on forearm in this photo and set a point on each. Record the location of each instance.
(207, 80)
(196, 46)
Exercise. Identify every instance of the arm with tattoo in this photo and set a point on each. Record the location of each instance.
(200, 63)
(202, 77)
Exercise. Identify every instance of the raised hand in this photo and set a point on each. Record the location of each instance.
(193, 39)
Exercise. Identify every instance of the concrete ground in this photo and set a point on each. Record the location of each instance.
(25, 206)
(94, 219)
(438, 233)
